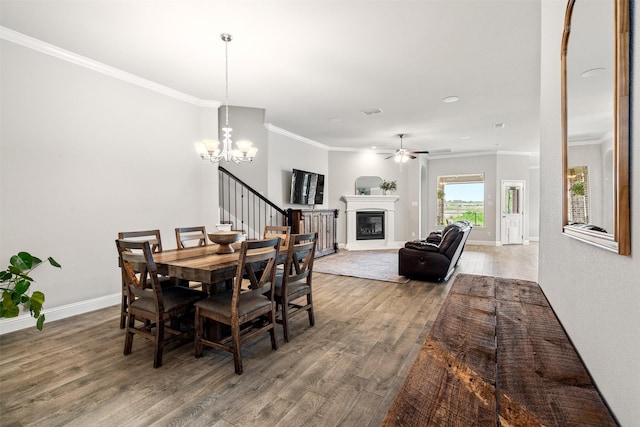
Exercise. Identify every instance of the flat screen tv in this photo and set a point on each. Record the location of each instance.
(307, 188)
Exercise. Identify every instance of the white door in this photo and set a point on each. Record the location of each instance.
(512, 224)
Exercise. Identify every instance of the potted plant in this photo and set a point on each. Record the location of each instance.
(14, 284)
(388, 186)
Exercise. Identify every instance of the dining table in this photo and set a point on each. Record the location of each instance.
(202, 264)
(199, 264)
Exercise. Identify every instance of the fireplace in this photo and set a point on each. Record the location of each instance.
(371, 222)
(370, 225)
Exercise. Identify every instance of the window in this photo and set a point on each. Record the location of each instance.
(460, 197)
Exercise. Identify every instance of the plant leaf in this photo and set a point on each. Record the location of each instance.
(40, 322)
(35, 305)
(9, 309)
(53, 262)
(5, 276)
(23, 260)
(22, 286)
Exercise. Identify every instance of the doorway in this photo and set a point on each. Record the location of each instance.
(512, 204)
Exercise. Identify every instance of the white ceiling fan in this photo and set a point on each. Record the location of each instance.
(402, 155)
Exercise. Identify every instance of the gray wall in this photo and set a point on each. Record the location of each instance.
(486, 164)
(346, 166)
(287, 153)
(533, 189)
(84, 156)
(248, 124)
(595, 293)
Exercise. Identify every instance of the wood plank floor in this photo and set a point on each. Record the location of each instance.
(345, 371)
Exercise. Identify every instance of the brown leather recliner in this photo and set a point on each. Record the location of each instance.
(436, 257)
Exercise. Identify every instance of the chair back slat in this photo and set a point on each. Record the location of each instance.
(152, 236)
(191, 234)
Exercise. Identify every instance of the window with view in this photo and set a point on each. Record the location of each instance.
(460, 197)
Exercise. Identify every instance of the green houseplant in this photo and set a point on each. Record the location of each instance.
(14, 284)
(388, 186)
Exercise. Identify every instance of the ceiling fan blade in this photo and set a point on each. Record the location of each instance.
(390, 157)
(413, 157)
(419, 152)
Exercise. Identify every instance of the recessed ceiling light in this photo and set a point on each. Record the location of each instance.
(466, 137)
(450, 99)
(372, 111)
(373, 147)
(593, 72)
(498, 126)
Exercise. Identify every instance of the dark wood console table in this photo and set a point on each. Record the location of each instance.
(321, 221)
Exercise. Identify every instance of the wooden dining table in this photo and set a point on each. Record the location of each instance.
(199, 264)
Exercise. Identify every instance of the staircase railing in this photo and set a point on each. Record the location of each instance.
(244, 207)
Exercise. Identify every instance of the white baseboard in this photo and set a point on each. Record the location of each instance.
(371, 245)
(25, 321)
(483, 243)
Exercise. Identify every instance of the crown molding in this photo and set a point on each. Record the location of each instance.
(82, 61)
(270, 127)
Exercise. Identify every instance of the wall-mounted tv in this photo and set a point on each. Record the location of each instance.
(307, 188)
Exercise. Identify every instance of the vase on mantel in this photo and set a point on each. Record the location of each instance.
(388, 186)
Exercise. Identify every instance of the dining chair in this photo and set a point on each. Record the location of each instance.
(294, 281)
(281, 231)
(160, 312)
(191, 234)
(248, 308)
(155, 242)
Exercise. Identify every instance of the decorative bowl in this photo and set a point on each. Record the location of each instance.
(225, 239)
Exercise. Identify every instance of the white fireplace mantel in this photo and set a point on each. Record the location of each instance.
(370, 203)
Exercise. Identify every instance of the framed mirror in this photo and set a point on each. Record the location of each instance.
(368, 185)
(595, 123)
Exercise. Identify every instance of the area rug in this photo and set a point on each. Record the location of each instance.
(376, 265)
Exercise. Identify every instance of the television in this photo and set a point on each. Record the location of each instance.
(307, 188)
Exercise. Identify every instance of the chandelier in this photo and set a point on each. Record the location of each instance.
(209, 149)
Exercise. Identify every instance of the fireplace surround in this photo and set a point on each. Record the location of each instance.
(377, 231)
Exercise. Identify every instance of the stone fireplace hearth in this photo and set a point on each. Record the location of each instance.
(370, 222)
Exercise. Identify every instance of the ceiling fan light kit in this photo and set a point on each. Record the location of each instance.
(402, 155)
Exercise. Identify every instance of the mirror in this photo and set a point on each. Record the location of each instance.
(368, 185)
(595, 118)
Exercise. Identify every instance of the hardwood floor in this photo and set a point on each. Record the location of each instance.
(346, 370)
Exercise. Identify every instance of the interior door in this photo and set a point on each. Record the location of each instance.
(512, 224)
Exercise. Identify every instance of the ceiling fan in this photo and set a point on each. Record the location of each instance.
(402, 154)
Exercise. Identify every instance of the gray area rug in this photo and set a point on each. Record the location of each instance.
(376, 265)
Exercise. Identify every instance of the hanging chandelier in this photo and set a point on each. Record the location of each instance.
(209, 149)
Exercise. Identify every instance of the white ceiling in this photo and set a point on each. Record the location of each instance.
(315, 65)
